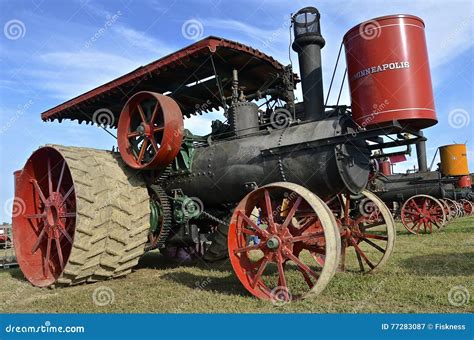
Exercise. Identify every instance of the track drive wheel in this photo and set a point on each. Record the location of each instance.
(86, 216)
(423, 211)
(283, 242)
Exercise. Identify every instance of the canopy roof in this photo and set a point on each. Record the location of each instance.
(187, 76)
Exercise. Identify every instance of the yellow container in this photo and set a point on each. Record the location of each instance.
(454, 160)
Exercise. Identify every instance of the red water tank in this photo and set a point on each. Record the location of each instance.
(464, 182)
(388, 72)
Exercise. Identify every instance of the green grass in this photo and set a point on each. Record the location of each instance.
(417, 279)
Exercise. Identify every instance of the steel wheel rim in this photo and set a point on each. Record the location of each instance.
(447, 210)
(422, 212)
(369, 232)
(285, 269)
(44, 232)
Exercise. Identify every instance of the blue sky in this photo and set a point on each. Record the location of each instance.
(51, 51)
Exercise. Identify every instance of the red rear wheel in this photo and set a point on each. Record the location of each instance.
(45, 231)
(421, 213)
(283, 242)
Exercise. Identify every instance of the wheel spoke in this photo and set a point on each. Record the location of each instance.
(46, 258)
(342, 264)
(65, 197)
(154, 114)
(259, 272)
(306, 277)
(68, 215)
(281, 272)
(269, 210)
(305, 237)
(38, 189)
(59, 250)
(142, 150)
(292, 212)
(347, 207)
(35, 216)
(66, 235)
(307, 224)
(50, 180)
(376, 246)
(257, 230)
(38, 241)
(142, 114)
(376, 237)
(359, 260)
(361, 253)
(300, 264)
(154, 144)
(246, 249)
(158, 129)
(61, 176)
(133, 134)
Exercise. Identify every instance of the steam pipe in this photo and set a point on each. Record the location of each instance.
(421, 155)
(308, 44)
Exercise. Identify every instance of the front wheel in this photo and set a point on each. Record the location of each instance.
(283, 242)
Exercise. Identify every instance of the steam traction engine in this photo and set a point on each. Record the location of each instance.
(425, 199)
(270, 188)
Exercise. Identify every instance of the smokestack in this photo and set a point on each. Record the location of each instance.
(421, 155)
(308, 44)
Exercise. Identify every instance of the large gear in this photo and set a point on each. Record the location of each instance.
(159, 196)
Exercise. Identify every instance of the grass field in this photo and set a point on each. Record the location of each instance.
(418, 278)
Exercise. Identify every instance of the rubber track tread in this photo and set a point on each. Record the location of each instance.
(112, 218)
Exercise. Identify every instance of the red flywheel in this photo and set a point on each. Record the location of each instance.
(150, 131)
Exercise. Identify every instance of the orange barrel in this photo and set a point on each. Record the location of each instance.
(454, 160)
(464, 182)
(388, 72)
(385, 168)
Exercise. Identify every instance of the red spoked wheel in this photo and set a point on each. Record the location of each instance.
(450, 214)
(44, 230)
(283, 243)
(422, 211)
(467, 207)
(150, 131)
(368, 228)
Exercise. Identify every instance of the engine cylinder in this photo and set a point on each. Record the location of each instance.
(454, 160)
(388, 72)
